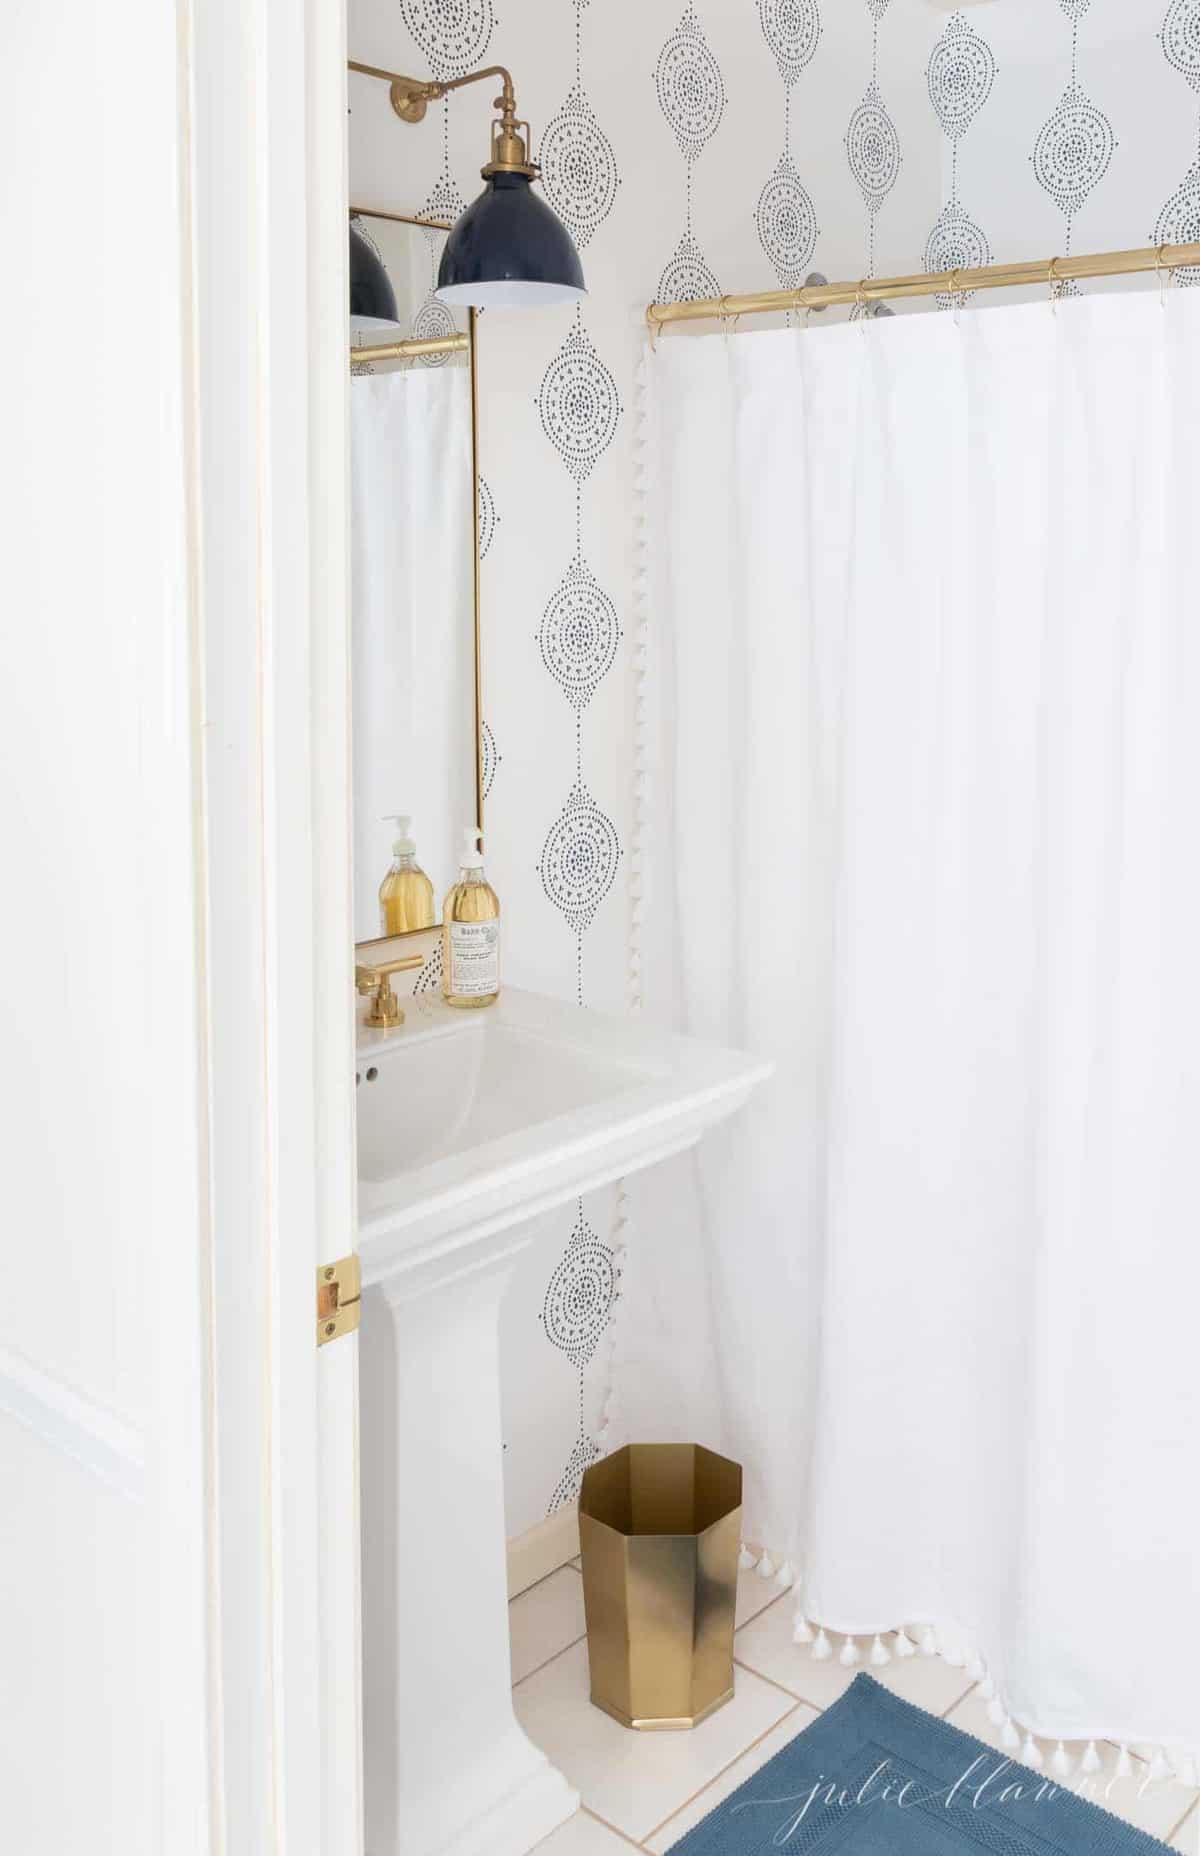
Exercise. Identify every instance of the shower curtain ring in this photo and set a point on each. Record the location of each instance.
(860, 299)
(1159, 266)
(956, 295)
(1056, 285)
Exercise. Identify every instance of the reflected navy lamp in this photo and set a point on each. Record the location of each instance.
(372, 299)
(508, 250)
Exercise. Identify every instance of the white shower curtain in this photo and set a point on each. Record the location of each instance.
(413, 623)
(923, 620)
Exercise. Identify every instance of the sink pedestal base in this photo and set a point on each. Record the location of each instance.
(448, 1770)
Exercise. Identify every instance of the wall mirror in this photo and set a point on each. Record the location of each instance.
(414, 576)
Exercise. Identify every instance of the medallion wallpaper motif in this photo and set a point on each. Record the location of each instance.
(735, 145)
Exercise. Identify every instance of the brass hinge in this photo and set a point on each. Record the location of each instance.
(339, 1288)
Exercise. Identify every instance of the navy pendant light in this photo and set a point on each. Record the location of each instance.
(509, 250)
(372, 298)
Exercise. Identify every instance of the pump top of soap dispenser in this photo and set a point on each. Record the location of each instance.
(472, 850)
(402, 844)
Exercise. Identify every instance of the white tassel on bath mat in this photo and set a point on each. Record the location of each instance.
(1031, 1753)
(1091, 1761)
(850, 1654)
(785, 1578)
(745, 1558)
(802, 1630)
(1160, 1765)
(880, 1654)
(1009, 1736)
(903, 1644)
(997, 1713)
(929, 1642)
(766, 1567)
(1061, 1763)
(1124, 1766)
(822, 1649)
(953, 1657)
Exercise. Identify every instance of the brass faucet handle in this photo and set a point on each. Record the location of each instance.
(386, 1011)
(368, 978)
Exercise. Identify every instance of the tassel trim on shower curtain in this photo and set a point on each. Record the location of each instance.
(1066, 1759)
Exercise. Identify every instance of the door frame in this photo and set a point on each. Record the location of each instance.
(262, 124)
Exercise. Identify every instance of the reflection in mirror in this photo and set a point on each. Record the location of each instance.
(413, 597)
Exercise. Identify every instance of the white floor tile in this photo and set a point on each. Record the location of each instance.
(1187, 1837)
(754, 1595)
(636, 1780)
(544, 1620)
(583, 1836)
(766, 1646)
(1153, 1807)
(742, 1769)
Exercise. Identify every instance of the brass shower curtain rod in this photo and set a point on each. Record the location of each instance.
(413, 347)
(1051, 271)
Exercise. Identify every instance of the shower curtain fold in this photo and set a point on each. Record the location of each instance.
(924, 640)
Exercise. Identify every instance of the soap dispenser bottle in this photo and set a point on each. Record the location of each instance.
(406, 893)
(471, 932)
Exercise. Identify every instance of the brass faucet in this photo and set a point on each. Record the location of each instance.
(386, 1011)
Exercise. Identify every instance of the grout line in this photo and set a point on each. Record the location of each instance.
(781, 1686)
(1173, 1833)
(770, 1604)
(585, 1810)
(708, 1783)
(545, 1578)
(529, 1675)
(969, 1690)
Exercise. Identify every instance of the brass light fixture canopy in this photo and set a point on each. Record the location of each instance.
(659, 1529)
(508, 250)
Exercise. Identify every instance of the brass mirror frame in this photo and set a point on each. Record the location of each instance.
(400, 350)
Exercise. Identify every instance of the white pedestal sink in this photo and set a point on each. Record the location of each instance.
(470, 1123)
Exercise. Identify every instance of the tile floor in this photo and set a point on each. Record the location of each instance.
(643, 1791)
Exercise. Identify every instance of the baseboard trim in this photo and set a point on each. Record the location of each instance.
(542, 1549)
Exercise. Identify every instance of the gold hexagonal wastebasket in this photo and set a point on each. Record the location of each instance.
(659, 1527)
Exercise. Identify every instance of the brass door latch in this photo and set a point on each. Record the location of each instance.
(339, 1299)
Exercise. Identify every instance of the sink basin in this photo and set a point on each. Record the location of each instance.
(469, 1124)
(473, 1119)
(481, 1078)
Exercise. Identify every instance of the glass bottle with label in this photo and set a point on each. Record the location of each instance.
(471, 932)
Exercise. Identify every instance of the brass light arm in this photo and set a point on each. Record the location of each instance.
(411, 97)
(431, 91)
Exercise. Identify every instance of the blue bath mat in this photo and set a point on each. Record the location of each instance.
(874, 1776)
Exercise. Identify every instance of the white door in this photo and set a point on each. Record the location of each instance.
(178, 1522)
